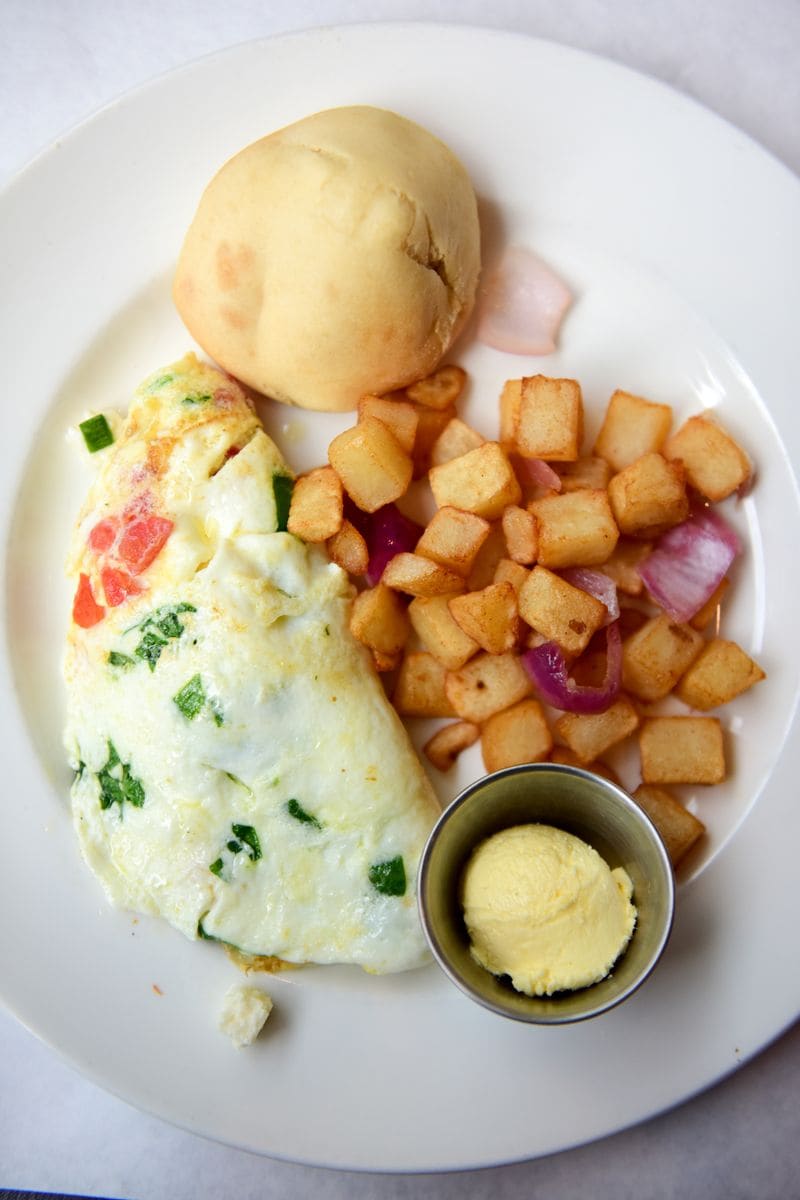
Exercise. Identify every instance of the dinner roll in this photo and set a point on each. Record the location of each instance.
(335, 257)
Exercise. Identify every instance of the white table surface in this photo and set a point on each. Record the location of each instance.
(63, 59)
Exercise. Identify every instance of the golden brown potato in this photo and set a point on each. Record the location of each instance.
(649, 496)
(486, 685)
(589, 735)
(440, 390)
(439, 632)
(453, 538)
(316, 510)
(430, 423)
(420, 576)
(348, 549)
(456, 438)
(519, 530)
(558, 610)
(682, 750)
(679, 828)
(631, 427)
(575, 529)
(481, 482)
(590, 472)
(508, 571)
(399, 416)
(420, 690)
(550, 419)
(371, 463)
(379, 619)
(656, 656)
(518, 734)
(622, 565)
(510, 399)
(715, 464)
(448, 742)
(721, 672)
(490, 616)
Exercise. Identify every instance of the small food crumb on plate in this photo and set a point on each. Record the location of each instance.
(244, 1013)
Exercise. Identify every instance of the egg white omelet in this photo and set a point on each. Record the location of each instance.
(238, 768)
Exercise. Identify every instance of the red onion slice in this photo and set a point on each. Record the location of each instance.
(689, 562)
(596, 584)
(388, 532)
(523, 304)
(547, 668)
(538, 471)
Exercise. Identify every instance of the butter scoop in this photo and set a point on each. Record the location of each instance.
(543, 907)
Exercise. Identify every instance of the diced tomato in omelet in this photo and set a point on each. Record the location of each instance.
(85, 609)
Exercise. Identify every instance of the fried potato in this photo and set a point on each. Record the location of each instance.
(649, 496)
(399, 416)
(558, 610)
(519, 734)
(372, 465)
(656, 656)
(508, 571)
(721, 672)
(440, 390)
(448, 742)
(632, 426)
(589, 472)
(622, 565)
(520, 532)
(317, 505)
(682, 750)
(420, 576)
(715, 464)
(589, 735)
(379, 619)
(487, 684)
(510, 399)
(679, 828)
(490, 616)
(456, 438)
(481, 482)
(430, 423)
(439, 632)
(549, 421)
(420, 687)
(348, 549)
(575, 529)
(453, 538)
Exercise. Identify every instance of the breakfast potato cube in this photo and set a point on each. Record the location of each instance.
(420, 576)
(550, 419)
(715, 464)
(519, 734)
(430, 423)
(656, 656)
(453, 538)
(589, 472)
(519, 530)
(490, 616)
(439, 632)
(372, 465)
(379, 619)
(317, 505)
(486, 685)
(456, 438)
(568, 758)
(440, 390)
(631, 619)
(510, 400)
(481, 482)
(721, 672)
(631, 427)
(682, 750)
(589, 735)
(348, 549)
(623, 565)
(560, 611)
(508, 571)
(399, 416)
(711, 609)
(679, 828)
(486, 560)
(448, 742)
(420, 690)
(649, 496)
(575, 529)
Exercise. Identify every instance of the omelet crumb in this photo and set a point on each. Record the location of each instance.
(244, 1013)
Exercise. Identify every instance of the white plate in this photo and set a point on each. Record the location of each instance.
(681, 240)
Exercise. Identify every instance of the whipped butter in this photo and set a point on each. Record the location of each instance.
(544, 908)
